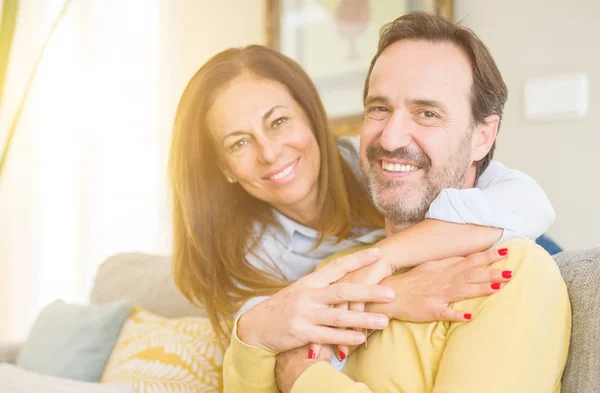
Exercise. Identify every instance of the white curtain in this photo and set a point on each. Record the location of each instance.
(86, 175)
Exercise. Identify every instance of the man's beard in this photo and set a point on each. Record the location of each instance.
(407, 201)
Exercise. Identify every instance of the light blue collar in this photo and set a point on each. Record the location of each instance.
(302, 239)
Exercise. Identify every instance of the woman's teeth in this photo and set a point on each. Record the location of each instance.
(398, 167)
(284, 172)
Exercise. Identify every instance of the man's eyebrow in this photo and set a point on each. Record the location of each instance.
(429, 103)
(371, 99)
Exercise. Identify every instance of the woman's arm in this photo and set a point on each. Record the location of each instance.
(508, 204)
(504, 198)
(299, 314)
(432, 240)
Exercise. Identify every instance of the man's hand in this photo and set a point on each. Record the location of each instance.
(291, 364)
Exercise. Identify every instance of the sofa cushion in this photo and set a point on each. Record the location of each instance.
(581, 272)
(17, 380)
(73, 341)
(144, 279)
(156, 354)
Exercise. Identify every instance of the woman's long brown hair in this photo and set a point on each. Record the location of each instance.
(214, 221)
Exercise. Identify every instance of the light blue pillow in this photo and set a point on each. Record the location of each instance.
(74, 341)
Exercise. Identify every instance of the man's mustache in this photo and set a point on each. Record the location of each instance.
(376, 152)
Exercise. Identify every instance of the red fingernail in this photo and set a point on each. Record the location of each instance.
(468, 316)
(503, 251)
(311, 354)
(507, 274)
(342, 355)
(496, 285)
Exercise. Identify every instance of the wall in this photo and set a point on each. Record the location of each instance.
(525, 41)
(192, 32)
(545, 37)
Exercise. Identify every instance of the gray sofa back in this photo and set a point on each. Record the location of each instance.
(146, 279)
(581, 272)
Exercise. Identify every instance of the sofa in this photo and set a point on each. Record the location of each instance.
(147, 281)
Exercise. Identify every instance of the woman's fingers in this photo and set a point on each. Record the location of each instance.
(448, 314)
(477, 276)
(336, 317)
(484, 258)
(314, 351)
(337, 269)
(339, 350)
(468, 291)
(357, 307)
(350, 292)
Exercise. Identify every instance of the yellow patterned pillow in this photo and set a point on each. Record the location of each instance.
(156, 354)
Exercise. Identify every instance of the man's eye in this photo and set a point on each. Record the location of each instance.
(378, 112)
(279, 121)
(427, 117)
(238, 145)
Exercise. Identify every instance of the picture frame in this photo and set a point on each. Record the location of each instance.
(334, 41)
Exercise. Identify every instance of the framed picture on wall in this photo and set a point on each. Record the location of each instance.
(334, 41)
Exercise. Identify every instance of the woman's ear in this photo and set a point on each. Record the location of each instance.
(484, 136)
(230, 178)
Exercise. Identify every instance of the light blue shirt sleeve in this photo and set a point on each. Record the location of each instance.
(504, 198)
(348, 147)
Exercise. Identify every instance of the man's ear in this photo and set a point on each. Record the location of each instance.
(484, 136)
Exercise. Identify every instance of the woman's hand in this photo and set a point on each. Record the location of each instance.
(301, 313)
(424, 293)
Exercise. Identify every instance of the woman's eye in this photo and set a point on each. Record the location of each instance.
(238, 145)
(279, 121)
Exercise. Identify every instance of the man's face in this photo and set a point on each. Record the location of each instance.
(416, 137)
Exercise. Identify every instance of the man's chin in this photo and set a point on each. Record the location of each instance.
(401, 204)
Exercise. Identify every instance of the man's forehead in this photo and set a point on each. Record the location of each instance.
(422, 68)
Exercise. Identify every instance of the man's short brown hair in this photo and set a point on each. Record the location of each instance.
(488, 92)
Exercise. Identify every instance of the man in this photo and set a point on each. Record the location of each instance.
(433, 104)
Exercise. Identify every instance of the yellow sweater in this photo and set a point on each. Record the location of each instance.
(517, 342)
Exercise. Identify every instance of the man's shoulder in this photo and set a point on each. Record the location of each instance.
(523, 245)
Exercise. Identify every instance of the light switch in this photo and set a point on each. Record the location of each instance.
(558, 97)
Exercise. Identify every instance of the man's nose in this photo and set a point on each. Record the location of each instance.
(397, 132)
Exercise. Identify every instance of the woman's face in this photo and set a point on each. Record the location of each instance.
(267, 144)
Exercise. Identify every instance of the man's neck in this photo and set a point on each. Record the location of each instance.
(391, 228)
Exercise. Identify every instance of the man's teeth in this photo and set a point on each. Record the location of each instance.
(398, 167)
(283, 173)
